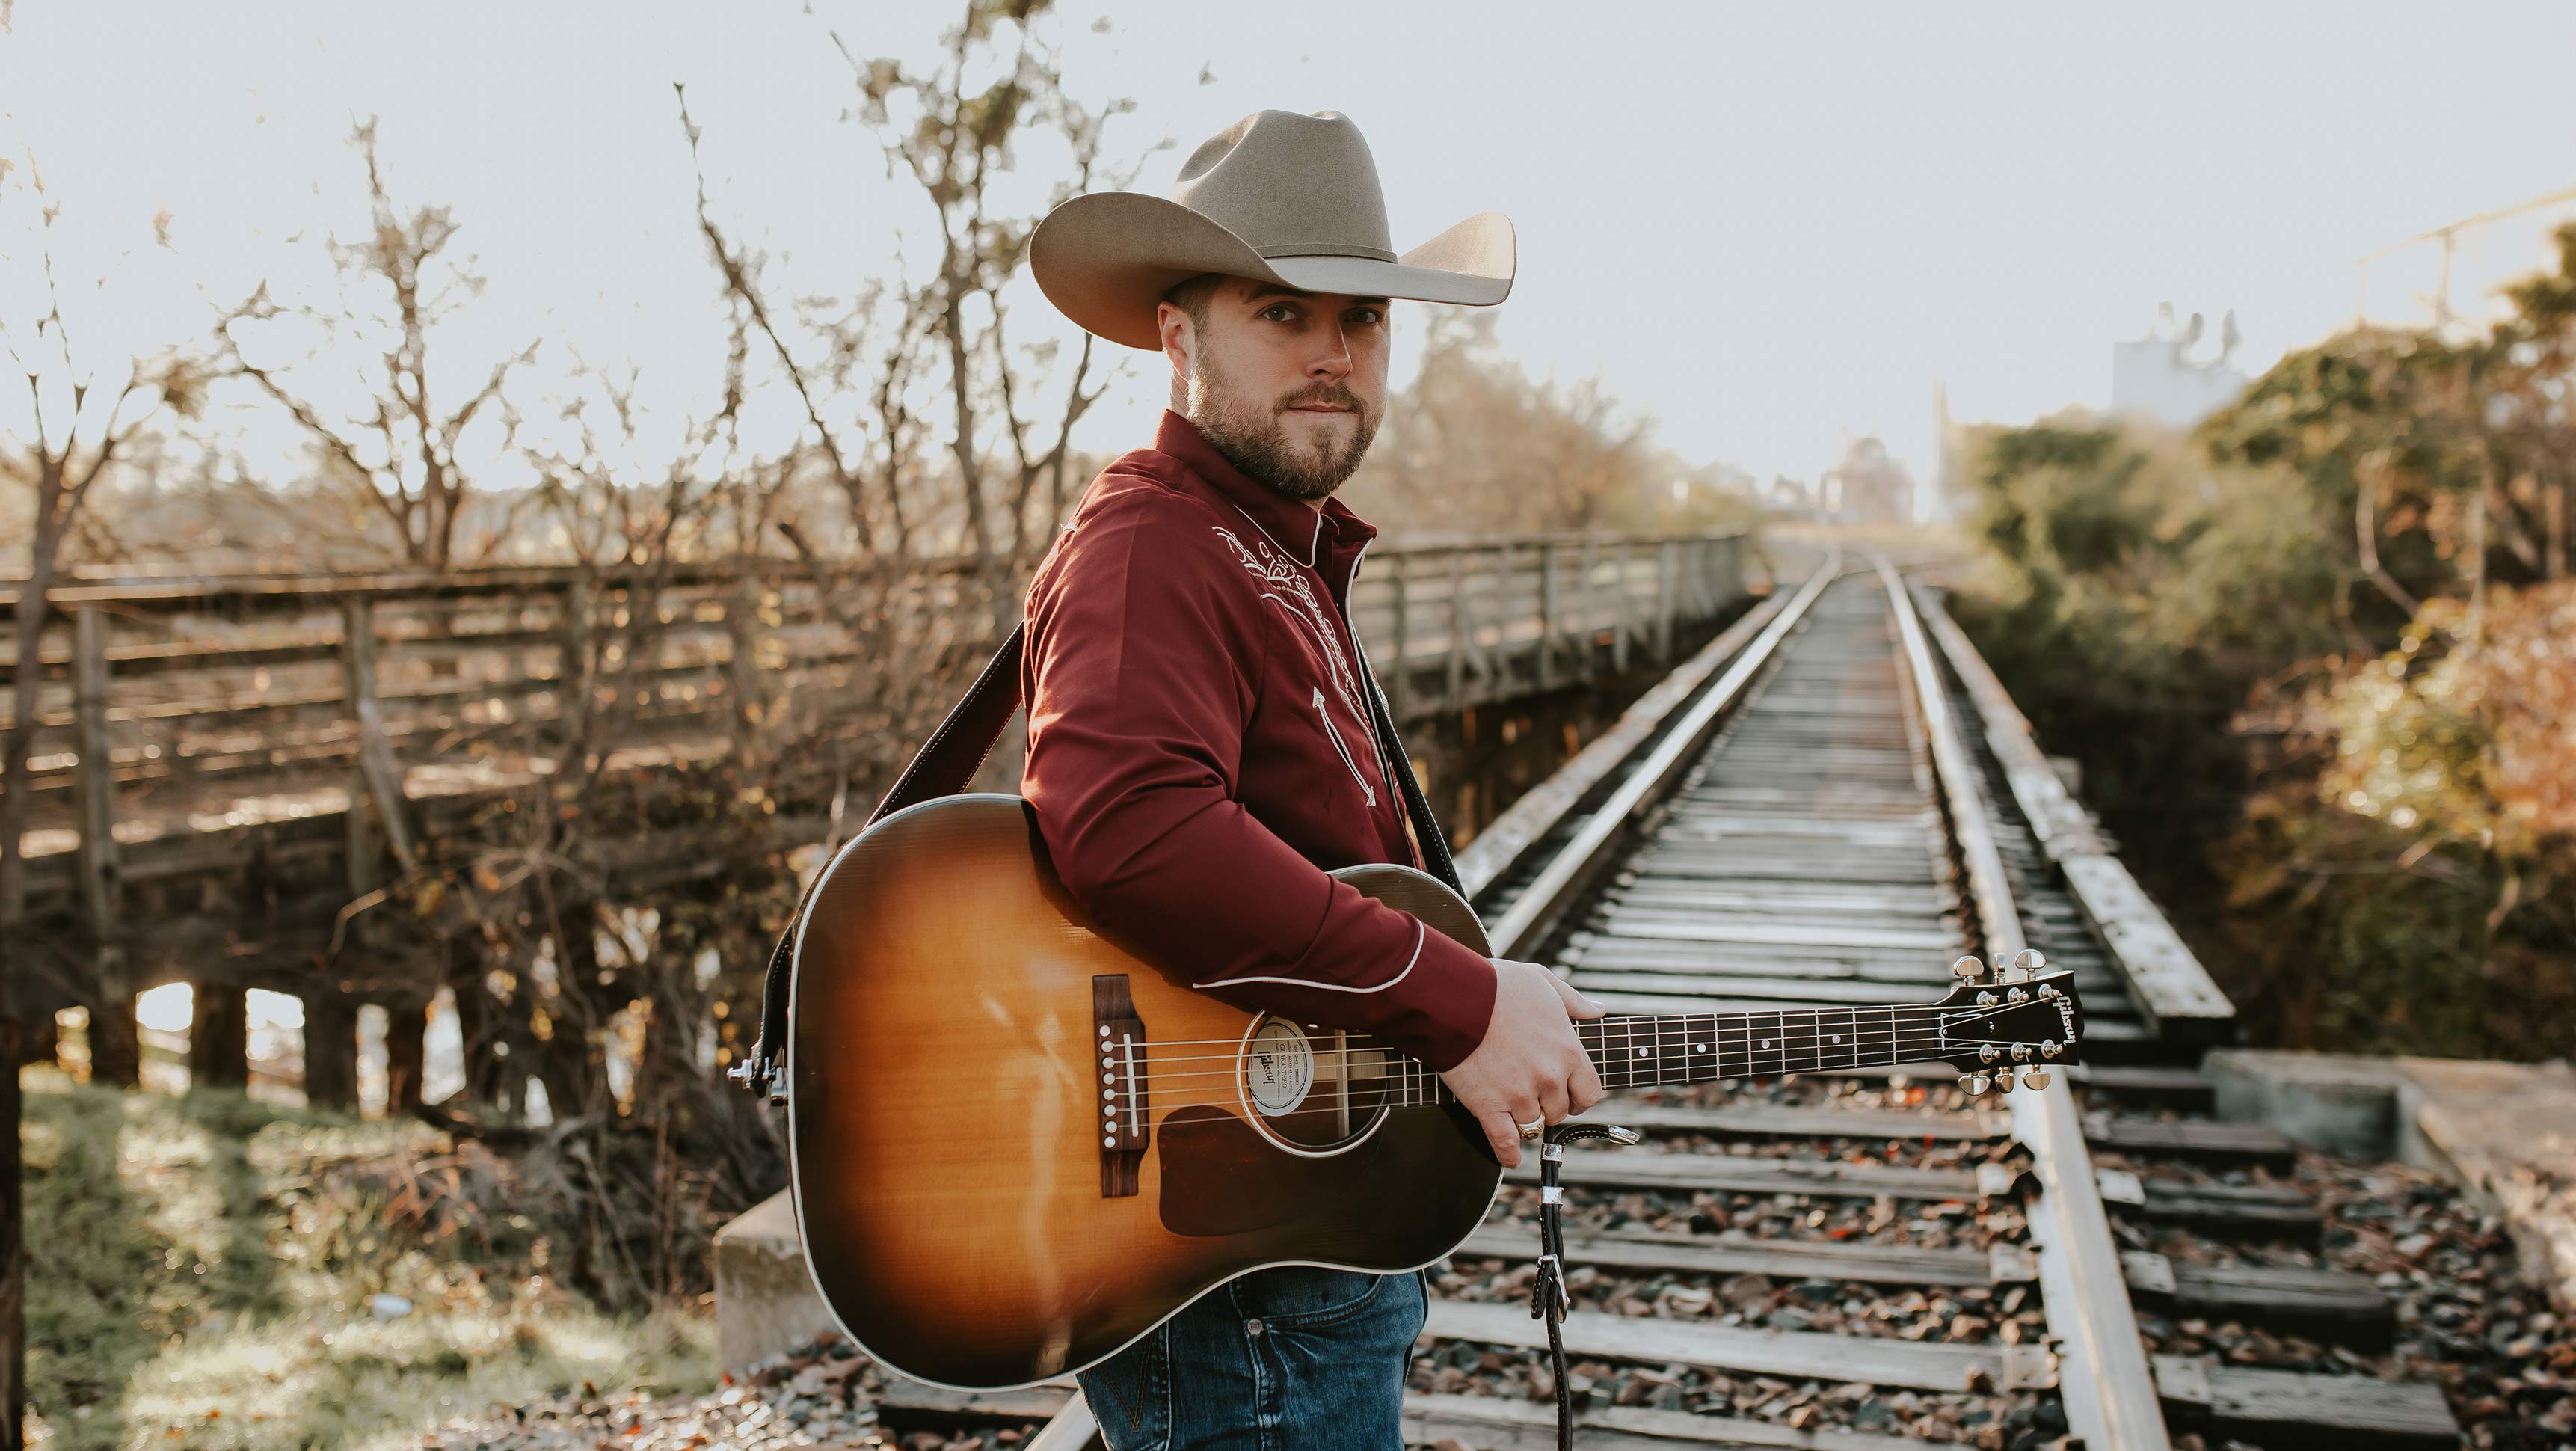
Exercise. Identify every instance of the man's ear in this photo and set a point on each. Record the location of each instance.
(1180, 345)
(1179, 336)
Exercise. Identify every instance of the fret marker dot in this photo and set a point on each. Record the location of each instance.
(1108, 1142)
(1642, 1053)
(1838, 1037)
(1703, 1047)
(1766, 1042)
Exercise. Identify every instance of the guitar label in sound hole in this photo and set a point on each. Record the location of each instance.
(1278, 1067)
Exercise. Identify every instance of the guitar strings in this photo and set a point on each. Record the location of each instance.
(1907, 1010)
(1177, 1088)
(1183, 1082)
(1820, 1054)
(1731, 1020)
(1896, 1030)
(1409, 1073)
(1399, 1092)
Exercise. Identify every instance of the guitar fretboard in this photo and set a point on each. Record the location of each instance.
(1635, 1052)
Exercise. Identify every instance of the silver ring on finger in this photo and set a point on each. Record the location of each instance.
(1532, 1129)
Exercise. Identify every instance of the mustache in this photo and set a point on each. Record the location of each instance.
(1323, 395)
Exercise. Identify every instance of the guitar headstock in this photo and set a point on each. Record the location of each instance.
(2007, 1020)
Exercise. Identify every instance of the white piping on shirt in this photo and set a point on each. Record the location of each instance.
(1312, 544)
(1366, 790)
(1330, 987)
(1368, 675)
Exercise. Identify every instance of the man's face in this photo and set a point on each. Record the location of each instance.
(1288, 385)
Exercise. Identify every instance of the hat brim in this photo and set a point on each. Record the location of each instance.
(1106, 259)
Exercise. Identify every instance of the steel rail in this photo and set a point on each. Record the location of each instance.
(1526, 921)
(2104, 1381)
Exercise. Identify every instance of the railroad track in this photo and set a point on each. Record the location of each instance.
(1831, 803)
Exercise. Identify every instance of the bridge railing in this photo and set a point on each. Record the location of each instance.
(176, 711)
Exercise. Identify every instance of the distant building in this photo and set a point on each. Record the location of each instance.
(1868, 487)
(1785, 495)
(2155, 377)
(1948, 498)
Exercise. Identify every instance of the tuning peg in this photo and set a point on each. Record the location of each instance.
(1975, 1084)
(1968, 968)
(2004, 1079)
(2028, 960)
(2035, 1079)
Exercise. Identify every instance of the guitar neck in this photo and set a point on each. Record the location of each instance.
(1635, 1052)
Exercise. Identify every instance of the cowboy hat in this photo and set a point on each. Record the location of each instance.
(1276, 196)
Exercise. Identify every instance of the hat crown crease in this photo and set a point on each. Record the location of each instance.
(1291, 186)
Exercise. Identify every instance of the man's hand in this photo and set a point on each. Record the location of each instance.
(1530, 1065)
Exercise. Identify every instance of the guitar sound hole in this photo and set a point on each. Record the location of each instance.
(1314, 1088)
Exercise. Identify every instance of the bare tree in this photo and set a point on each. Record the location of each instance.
(401, 455)
(955, 140)
(869, 460)
(82, 430)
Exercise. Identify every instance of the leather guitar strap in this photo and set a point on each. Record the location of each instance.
(950, 759)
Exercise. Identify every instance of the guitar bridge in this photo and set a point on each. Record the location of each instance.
(1125, 1122)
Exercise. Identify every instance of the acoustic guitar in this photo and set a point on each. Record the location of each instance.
(1016, 1148)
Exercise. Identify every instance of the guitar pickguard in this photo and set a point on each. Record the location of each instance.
(1220, 1176)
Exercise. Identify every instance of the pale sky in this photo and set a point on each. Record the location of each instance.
(1768, 227)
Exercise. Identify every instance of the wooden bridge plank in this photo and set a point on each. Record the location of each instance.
(1794, 1121)
(2284, 1409)
(2329, 1305)
(1492, 1423)
(2146, 1082)
(904, 1401)
(1648, 1169)
(2207, 1140)
(1781, 1259)
(1800, 1353)
(2244, 1210)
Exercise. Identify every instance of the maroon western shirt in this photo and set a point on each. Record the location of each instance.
(1200, 752)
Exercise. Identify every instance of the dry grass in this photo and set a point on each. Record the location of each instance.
(205, 1271)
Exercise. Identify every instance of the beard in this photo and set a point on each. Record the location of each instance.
(1253, 434)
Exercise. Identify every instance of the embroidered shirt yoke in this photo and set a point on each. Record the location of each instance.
(1200, 753)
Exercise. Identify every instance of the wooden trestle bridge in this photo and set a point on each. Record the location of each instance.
(225, 769)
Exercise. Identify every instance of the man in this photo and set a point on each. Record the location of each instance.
(1202, 730)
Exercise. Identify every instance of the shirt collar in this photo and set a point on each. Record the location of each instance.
(1303, 534)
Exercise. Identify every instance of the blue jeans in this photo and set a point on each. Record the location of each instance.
(1287, 1359)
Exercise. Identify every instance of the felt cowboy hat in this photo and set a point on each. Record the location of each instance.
(1276, 196)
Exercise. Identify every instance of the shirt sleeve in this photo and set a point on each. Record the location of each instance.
(1141, 671)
